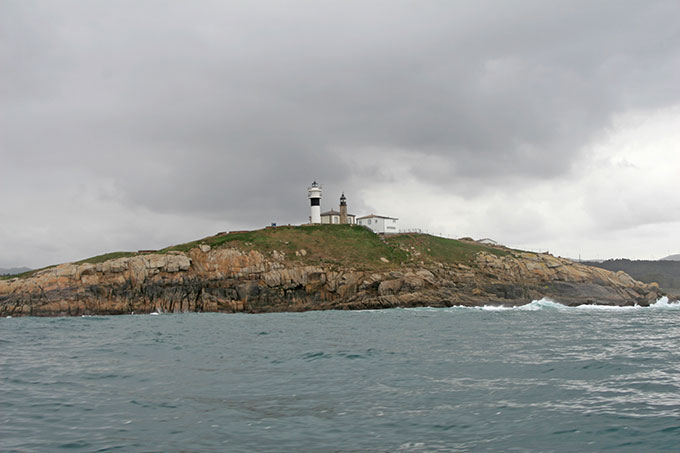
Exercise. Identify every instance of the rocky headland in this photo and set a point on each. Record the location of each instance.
(313, 268)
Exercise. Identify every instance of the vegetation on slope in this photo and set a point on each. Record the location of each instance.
(424, 247)
(106, 257)
(349, 245)
(333, 245)
(342, 245)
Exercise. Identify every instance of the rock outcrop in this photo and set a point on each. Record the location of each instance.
(224, 279)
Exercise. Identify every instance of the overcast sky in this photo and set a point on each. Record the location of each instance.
(546, 125)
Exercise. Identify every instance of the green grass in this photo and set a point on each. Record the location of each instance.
(348, 245)
(331, 245)
(216, 241)
(433, 248)
(342, 245)
(106, 257)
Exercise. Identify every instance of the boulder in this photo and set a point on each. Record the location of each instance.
(390, 287)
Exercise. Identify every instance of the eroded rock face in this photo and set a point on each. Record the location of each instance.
(230, 280)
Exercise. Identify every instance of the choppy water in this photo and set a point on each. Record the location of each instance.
(540, 378)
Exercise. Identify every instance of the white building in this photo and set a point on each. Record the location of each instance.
(379, 223)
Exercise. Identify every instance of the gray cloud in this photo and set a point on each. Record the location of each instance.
(201, 108)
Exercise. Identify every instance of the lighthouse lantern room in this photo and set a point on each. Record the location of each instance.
(314, 195)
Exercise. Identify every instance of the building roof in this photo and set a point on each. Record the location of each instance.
(332, 212)
(377, 217)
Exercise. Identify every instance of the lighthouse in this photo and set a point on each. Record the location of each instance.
(343, 209)
(314, 195)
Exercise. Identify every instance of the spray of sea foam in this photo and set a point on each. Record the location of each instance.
(549, 305)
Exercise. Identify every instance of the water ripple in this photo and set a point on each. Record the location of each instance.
(541, 378)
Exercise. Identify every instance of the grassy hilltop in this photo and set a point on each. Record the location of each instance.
(346, 245)
(340, 245)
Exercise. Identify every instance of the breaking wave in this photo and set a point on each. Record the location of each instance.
(546, 304)
(549, 305)
(543, 304)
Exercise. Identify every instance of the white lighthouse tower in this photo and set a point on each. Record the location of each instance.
(314, 195)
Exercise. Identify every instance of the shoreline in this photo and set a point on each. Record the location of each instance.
(359, 271)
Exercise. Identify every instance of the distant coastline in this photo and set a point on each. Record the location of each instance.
(13, 270)
(665, 272)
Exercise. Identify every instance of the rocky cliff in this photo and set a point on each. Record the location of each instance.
(234, 278)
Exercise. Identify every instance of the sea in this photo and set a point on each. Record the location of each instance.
(537, 378)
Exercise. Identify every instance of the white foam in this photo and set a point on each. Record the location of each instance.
(548, 304)
(542, 304)
(493, 308)
(607, 307)
(662, 303)
(665, 304)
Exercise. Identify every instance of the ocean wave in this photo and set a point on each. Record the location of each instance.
(547, 304)
(665, 304)
(542, 304)
(662, 303)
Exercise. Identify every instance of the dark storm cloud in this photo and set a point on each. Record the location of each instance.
(208, 106)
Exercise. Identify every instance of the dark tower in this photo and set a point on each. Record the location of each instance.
(343, 209)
